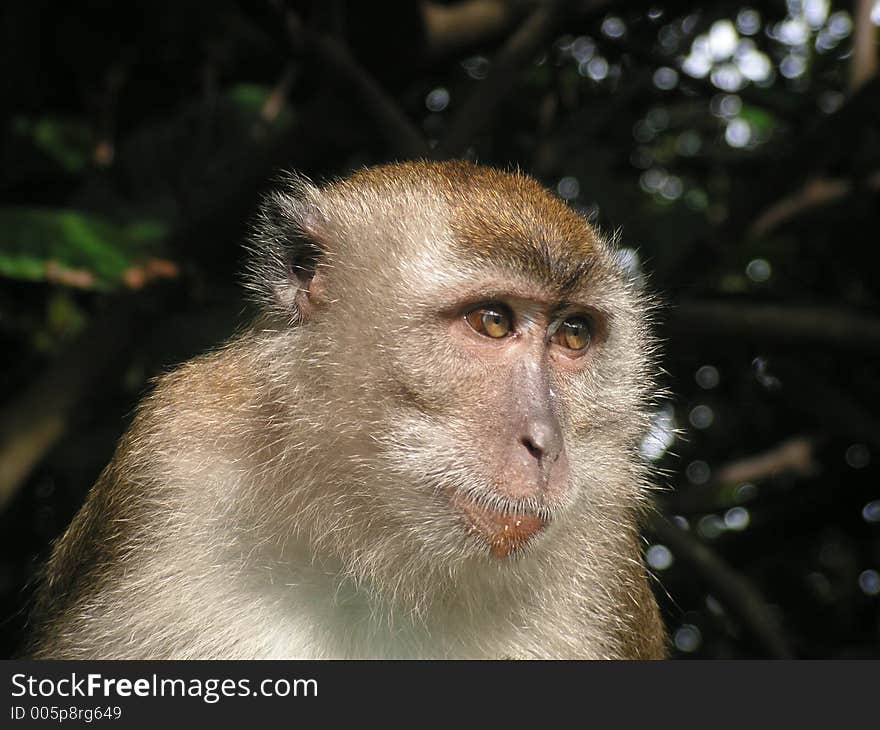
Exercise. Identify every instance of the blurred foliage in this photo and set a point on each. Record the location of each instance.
(66, 242)
(724, 146)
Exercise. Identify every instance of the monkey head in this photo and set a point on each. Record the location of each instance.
(463, 363)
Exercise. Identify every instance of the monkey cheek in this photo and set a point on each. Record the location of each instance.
(503, 532)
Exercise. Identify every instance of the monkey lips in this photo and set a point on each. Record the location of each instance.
(504, 531)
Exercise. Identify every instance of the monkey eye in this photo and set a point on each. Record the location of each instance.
(574, 334)
(491, 320)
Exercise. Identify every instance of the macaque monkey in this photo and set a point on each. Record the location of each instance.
(425, 447)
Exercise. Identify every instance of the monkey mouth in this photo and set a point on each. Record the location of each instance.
(504, 530)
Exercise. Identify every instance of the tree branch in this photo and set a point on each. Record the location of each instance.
(864, 60)
(834, 409)
(477, 111)
(774, 323)
(814, 193)
(32, 423)
(401, 135)
(464, 24)
(821, 145)
(738, 594)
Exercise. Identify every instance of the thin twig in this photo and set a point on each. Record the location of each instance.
(793, 456)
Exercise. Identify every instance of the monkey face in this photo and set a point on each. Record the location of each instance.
(494, 415)
(517, 349)
(501, 369)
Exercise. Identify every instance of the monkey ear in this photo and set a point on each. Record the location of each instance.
(286, 248)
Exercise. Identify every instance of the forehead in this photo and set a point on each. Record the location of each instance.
(498, 219)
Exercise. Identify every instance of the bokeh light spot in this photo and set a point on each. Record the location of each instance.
(869, 582)
(792, 66)
(737, 518)
(727, 77)
(748, 21)
(698, 472)
(568, 188)
(759, 270)
(437, 100)
(722, 40)
(665, 78)
(661, 434)
(701, 416)
(858, 456)
(659, 557)
(707, 377)
(583, 49)
(840, 24)
(746, 492)
(596, 68)
(688, 638)
(613, 27)
(738, 132)
(871, 511)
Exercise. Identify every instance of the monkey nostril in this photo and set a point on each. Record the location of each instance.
(533, 448)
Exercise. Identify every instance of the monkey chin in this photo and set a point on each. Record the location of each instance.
(505, 532)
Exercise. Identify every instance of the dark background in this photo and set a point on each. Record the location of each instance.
(735, 151)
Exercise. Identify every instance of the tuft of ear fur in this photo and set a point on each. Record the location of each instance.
(285, 248)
